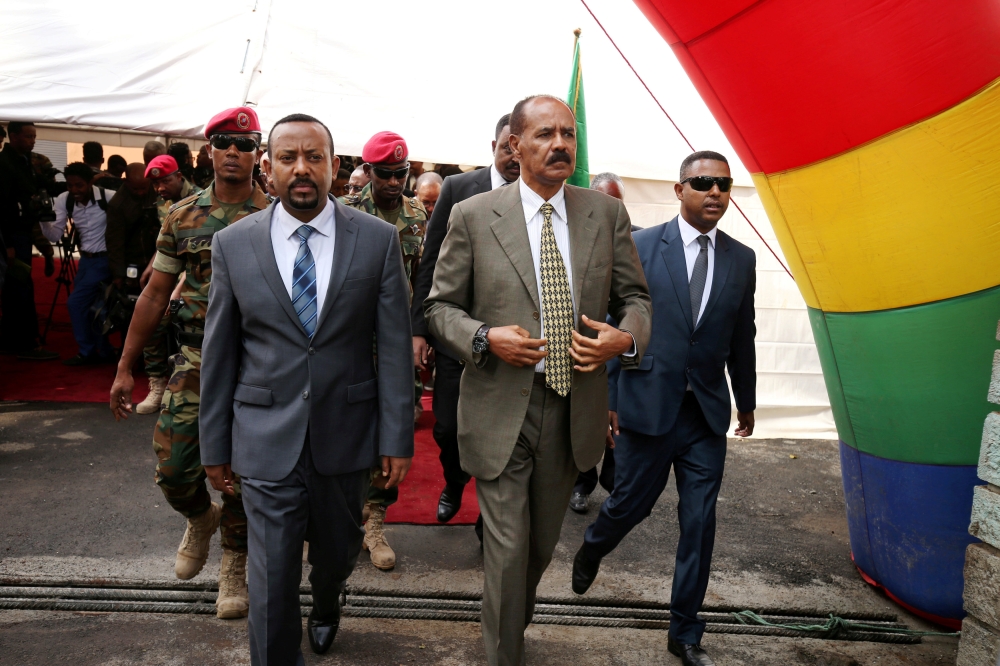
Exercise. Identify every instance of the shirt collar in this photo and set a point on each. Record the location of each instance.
(532, 202)
(690, 235)
(496, 180)
(322, 223)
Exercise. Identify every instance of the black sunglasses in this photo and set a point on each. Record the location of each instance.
(387, 174)
(705, 183)
(244, 144)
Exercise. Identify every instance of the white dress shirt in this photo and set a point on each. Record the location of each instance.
(285, 242)
(496, 180)
(689, 236)
(532, 204)
(90, 222)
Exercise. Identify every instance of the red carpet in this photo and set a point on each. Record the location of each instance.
(52, 381)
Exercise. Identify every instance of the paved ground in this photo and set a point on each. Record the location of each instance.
(78, 501)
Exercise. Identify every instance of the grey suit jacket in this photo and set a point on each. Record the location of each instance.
(265, 383)
(485, 275)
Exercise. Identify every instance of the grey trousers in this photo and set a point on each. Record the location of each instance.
(326, 510)
(523, 511)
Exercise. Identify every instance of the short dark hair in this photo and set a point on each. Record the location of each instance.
(93, 152)
(343, 174)
(300, 118)
(15, 126)
(117, 162)
(517, 115)
(179, 150)
(3, 132)
(80, 170)
(503, 122)
(700, 155)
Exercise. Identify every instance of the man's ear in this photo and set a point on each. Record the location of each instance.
(514, 141)
(679, 191)
(493, 147)
(265, 166)
(335, 163)
(367, 168)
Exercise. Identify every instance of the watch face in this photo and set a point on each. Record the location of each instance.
(479, 344)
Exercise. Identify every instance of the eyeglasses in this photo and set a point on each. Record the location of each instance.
(355, 188)
(705, 183)
(244, 144)
(387, 174)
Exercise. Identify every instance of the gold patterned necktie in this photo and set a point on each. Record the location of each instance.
(557, 309)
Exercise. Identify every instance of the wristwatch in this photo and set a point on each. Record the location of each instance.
(480, 343)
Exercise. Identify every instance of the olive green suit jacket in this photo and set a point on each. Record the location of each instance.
(485, 275)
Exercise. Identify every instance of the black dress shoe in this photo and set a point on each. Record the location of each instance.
(691, 654)
(450, 502)
(578, 502)
(322, 632)
(584, 571)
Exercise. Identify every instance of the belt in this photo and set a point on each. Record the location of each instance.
(93, 255)
(189, 339)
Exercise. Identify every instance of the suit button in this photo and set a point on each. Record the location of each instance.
(693, 343)
(524, 391)
(534, 315)
(305, 395)
(311, 351)
(687, 370)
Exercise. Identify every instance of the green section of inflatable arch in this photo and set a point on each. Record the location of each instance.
(910, 384)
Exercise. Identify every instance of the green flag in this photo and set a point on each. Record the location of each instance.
(581, 176)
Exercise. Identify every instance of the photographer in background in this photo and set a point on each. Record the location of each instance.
(86, 205)
(133, 225)
(22, 206)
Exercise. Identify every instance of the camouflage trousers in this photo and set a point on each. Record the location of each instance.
(154, 354)
(179, 472)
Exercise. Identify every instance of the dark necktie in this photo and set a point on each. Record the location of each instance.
(698, 277)
(304, 282)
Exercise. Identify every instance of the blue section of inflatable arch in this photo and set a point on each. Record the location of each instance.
(909, 527)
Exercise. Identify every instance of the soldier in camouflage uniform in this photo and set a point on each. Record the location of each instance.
(386, 164)
(185, 245)
(172, 188)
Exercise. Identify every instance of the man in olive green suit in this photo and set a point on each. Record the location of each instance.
(526, 277)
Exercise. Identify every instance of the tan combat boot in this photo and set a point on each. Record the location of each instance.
(382, 555)
(151, 405)
(193, 551)
(232, 602)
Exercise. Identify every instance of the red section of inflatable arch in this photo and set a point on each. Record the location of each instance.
(796, 82)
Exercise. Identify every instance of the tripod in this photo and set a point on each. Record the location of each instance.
(67, 246)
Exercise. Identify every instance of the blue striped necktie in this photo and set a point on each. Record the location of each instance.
(304, 282)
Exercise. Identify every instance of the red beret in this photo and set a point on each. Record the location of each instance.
(240, 120)
(161, 166)
(385, 148)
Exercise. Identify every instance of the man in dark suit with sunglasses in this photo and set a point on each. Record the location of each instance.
(674, 410)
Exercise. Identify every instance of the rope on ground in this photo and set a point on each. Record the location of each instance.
(837, 627)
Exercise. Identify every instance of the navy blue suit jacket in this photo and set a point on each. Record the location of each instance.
(649, 397)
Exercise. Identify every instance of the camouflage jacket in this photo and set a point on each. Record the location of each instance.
(163, 206)
(185, 244)
(411, 224)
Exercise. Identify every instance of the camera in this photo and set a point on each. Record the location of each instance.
(41, 206)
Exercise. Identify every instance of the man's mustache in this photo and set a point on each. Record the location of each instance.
(559, 156)
(302, 181)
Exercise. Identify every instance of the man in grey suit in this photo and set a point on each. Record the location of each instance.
(525, 279)
(293, 399)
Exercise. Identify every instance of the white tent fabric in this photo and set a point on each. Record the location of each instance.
(439, 73)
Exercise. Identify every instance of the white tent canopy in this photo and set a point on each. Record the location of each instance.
(440, 73)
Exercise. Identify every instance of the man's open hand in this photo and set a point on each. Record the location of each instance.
(591, 353)
(394, 469)
(121, 395)
(745, 427)
(513, 345)
(422, 353)
(221, 478)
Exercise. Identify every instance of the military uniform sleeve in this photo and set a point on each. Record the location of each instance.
(167, 259)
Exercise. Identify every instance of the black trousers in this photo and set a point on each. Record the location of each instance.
(587, 481)
(325, 510)
(447, 378)
(19, 327)
(697, 456)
